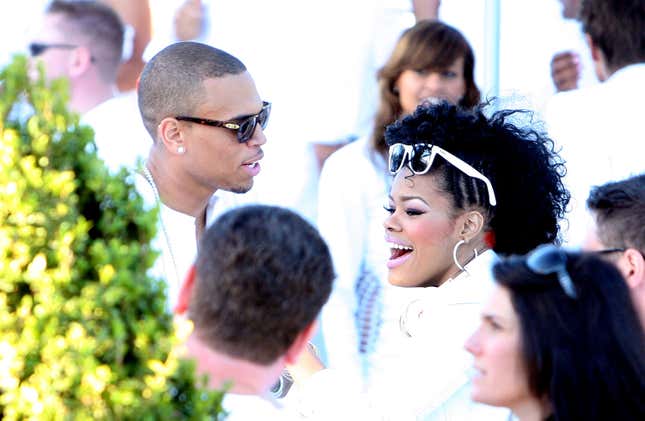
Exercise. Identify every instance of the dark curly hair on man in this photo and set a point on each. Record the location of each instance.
(521, 164)
(263, 274)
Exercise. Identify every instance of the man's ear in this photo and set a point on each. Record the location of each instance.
(296, 348)
(171, 136)
(471, 224)
(632, 266)
(185, 292)
(80, 61)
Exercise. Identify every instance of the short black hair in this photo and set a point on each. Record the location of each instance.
(616, 27)
(98, 26)
(263, 275)
(172, 81)
(619, 211)
(521, 164)
(585, 354)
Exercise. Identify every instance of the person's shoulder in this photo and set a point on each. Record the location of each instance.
(356, 155)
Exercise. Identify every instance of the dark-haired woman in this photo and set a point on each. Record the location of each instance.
(431, 61)
(467, 188)
(560, 340)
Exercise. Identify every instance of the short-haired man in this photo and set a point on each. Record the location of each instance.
(205, 116)
(618, 211)
(600, 128)
(262, 275)
(82, 41)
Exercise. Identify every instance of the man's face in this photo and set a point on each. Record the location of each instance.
(215, 159)
(56, 57)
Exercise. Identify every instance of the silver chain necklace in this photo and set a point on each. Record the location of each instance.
(148, 176)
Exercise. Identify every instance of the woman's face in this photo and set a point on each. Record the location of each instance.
(421, 232)
(500, 376)
(416, 86)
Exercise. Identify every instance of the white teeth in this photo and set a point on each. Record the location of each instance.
(399, 246)
(252, 165)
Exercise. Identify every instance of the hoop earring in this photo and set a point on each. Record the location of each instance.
(454, 255)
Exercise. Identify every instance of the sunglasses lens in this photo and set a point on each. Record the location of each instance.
(397, 155)
(247, 127)
(36, 49)
(263, 117)
(420, 160)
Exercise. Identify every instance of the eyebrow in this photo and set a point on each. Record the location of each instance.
(408, 198)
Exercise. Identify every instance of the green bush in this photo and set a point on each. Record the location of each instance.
(84, 332)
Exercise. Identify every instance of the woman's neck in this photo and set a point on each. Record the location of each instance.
(532, 410)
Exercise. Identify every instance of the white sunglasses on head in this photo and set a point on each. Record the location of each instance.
(420, 156)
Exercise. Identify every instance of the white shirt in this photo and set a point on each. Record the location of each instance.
(352, 193)
(423, 376)
(119, 134)
(176, 233)
(600, 131)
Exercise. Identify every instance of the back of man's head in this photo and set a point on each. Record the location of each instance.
(617, 28)
(619, 211)
(95, 26)
(263, 275)
(171, 82)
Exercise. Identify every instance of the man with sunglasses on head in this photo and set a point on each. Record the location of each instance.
(618, 231)
(82, 41)
(206, 119)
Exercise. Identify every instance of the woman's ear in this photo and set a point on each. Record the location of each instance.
(472, 223)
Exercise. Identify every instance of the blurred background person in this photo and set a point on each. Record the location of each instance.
(599, 128)
(560, 340)
(82, 42)
(431, 61)
(618, 231)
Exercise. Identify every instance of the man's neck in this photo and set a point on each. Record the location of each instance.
(175, 190)
(244, 377)
(81, 102)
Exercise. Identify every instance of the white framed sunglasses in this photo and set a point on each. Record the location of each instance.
(420, 156)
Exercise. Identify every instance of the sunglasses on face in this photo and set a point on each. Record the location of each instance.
(420, 156)
(244, 127)
(548, 259)
(37, 48)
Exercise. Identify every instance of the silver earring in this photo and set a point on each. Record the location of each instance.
(181, 150)
(454, 255)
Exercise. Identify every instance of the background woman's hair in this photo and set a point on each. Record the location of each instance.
(587, 355)
(429, 44)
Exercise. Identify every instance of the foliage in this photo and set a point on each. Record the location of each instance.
(84, 332)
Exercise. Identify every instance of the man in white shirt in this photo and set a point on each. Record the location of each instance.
(618, 231)
(262, 275)
(600, 128)
(206, 119)
(82, 42)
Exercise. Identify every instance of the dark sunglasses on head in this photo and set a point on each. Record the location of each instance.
(420, 156)
(37, 48)
(244, 127)
(548, 259)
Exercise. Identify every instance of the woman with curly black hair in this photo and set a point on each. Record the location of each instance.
(559, 339)
(466, 188)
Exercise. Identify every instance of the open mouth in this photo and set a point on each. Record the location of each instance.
(251, 165)
(398, 250)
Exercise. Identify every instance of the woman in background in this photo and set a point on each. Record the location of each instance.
(431, 61)
(560, 340)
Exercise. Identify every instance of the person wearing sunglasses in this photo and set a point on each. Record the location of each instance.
(430, 61)
(559, 339)
(206, 119)
(466, 188)
(82, 43)
(617, 231)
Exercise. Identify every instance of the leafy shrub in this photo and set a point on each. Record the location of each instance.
(84, 332)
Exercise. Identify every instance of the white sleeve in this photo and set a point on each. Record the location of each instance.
(342, 221)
